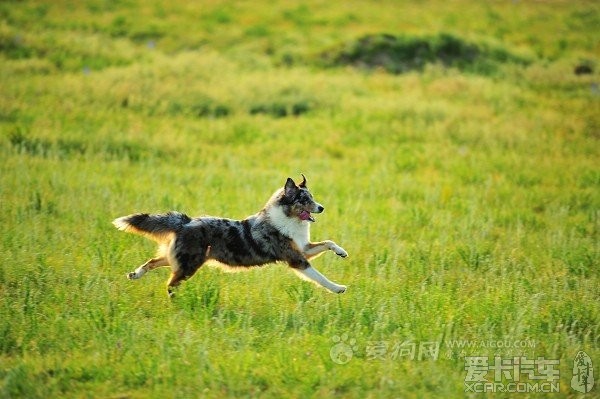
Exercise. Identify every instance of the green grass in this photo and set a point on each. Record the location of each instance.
(467, 195)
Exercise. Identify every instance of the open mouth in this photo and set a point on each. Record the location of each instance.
(305, 215)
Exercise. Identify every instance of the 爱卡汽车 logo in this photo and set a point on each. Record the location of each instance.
(583, 373)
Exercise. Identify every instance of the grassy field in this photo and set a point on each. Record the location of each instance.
(452, 144)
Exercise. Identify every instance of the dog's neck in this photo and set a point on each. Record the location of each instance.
(293, 228)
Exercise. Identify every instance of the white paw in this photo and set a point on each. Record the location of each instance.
(133, 276)
(340, 289)
(339, 251)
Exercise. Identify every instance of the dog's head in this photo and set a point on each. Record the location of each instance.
(298, 201)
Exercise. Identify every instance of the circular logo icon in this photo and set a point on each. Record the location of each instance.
(343, 350)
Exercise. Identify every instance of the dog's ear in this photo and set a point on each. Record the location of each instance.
(303, 184)
(290, 188)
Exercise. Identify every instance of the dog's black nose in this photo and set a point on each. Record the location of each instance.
(320, 208)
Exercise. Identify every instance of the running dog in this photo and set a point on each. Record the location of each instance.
(280, 232)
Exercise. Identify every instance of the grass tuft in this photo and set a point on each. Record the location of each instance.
(401, 54)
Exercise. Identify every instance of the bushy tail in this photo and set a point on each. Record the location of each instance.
(156, 227)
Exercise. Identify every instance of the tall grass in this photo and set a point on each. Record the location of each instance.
(467, 200)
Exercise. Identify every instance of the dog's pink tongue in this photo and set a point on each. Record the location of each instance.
(304, 215)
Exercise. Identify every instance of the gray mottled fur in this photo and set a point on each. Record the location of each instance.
(279, 232)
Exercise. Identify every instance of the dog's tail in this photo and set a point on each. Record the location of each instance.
(156, 227)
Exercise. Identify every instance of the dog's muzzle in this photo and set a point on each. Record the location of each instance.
(306, 215)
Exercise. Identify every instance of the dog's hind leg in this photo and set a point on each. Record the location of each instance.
(177, 277)
(146, 267)
(188, 265)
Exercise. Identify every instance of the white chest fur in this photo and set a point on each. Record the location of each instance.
(297, 230)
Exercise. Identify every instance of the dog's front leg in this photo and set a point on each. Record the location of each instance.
(312, 274)
(306, 272)
(313, 249)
